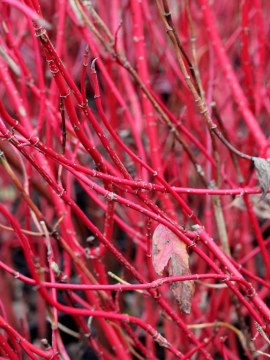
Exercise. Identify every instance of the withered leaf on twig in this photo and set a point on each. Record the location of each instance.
(260, 206)
(262, 167)
(171, 253)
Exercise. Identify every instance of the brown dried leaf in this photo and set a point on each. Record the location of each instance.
(262, 167)
(170, 252)
(261, 207)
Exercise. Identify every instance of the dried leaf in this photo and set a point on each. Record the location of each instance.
(262, 167)
(261, 207)
(170, 252)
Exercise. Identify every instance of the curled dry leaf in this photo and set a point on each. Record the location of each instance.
(260, 206)
(262, 167)
(171, 253)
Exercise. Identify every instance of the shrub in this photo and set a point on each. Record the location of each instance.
(134, 213)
